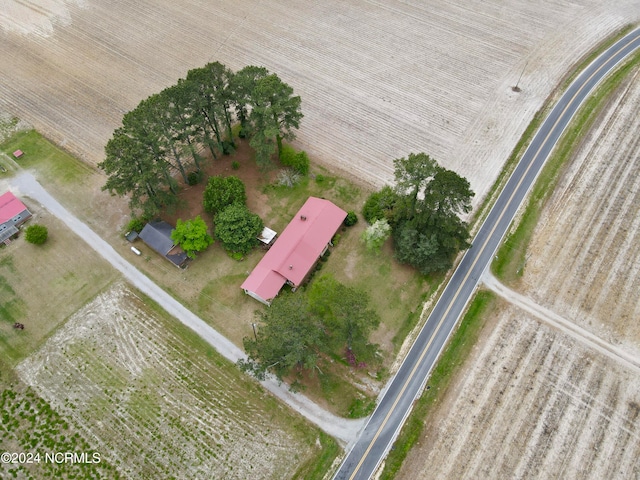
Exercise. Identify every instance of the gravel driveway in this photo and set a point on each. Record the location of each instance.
(342, 429)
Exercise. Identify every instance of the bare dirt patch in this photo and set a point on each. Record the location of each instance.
(378, 79)
(129, 378)
(253, 178)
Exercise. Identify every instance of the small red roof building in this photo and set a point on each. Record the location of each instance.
(13, 213)
(296, 250)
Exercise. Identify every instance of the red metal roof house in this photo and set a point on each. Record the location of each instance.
(13, 213)
(296, 251)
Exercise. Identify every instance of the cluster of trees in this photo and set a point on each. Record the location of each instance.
(299, 330)
(160, 139)
(236, 226)
(423, 212)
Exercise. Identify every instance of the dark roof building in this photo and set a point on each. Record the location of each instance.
(13, 213)
(157, 235)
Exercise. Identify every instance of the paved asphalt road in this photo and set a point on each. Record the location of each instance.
(395, 405)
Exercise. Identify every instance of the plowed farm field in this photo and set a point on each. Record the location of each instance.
(536, 401)
(378, 79)
(128, 377)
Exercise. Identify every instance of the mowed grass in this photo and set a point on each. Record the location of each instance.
(158, 402)
(55, 167)
(41, 286)
(211, 285)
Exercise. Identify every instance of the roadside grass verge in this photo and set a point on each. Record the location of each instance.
(453, 357)
(512, 255)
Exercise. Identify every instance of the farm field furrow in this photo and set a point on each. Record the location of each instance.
(128, 378)
(378, 79)
(534, 404)
(590, 234)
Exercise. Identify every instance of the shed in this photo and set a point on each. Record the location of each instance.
(157, 235)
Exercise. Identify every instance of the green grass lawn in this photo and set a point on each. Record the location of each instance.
(211, 285)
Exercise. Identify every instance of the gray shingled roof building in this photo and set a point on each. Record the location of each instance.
(157, 235)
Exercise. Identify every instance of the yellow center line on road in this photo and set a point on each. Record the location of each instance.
(480, 252)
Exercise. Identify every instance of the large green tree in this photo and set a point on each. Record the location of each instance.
(346, 315)
(134, 170)
(221, 192)
(269, 110)
(289, 338)
(427, 229)
(237, 228)
(192, 236)
(213, 103)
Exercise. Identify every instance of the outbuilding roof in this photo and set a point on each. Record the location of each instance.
(158, 236)
(297, 249)
(10, 207)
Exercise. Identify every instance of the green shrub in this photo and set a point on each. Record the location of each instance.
(194, 178)
(320, 178)
(351, 219)
(36, 234)
(222, 192)
(235, 165)
(380, 205)
(227, 147)
(298, 161)
(336, 238)
(375, 235)
(237, 228)
(136, 224)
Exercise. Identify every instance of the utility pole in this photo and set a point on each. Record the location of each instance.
(254, 331)
(517, 88)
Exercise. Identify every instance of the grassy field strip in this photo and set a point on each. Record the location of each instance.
(130, 379)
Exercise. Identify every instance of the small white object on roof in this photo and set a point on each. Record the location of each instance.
(135, 250)
(267, 235)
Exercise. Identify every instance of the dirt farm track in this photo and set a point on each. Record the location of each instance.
(378, 79)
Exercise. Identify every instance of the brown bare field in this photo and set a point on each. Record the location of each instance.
(590, 232)
(378, 79)
(532, 401)
(129, 377)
